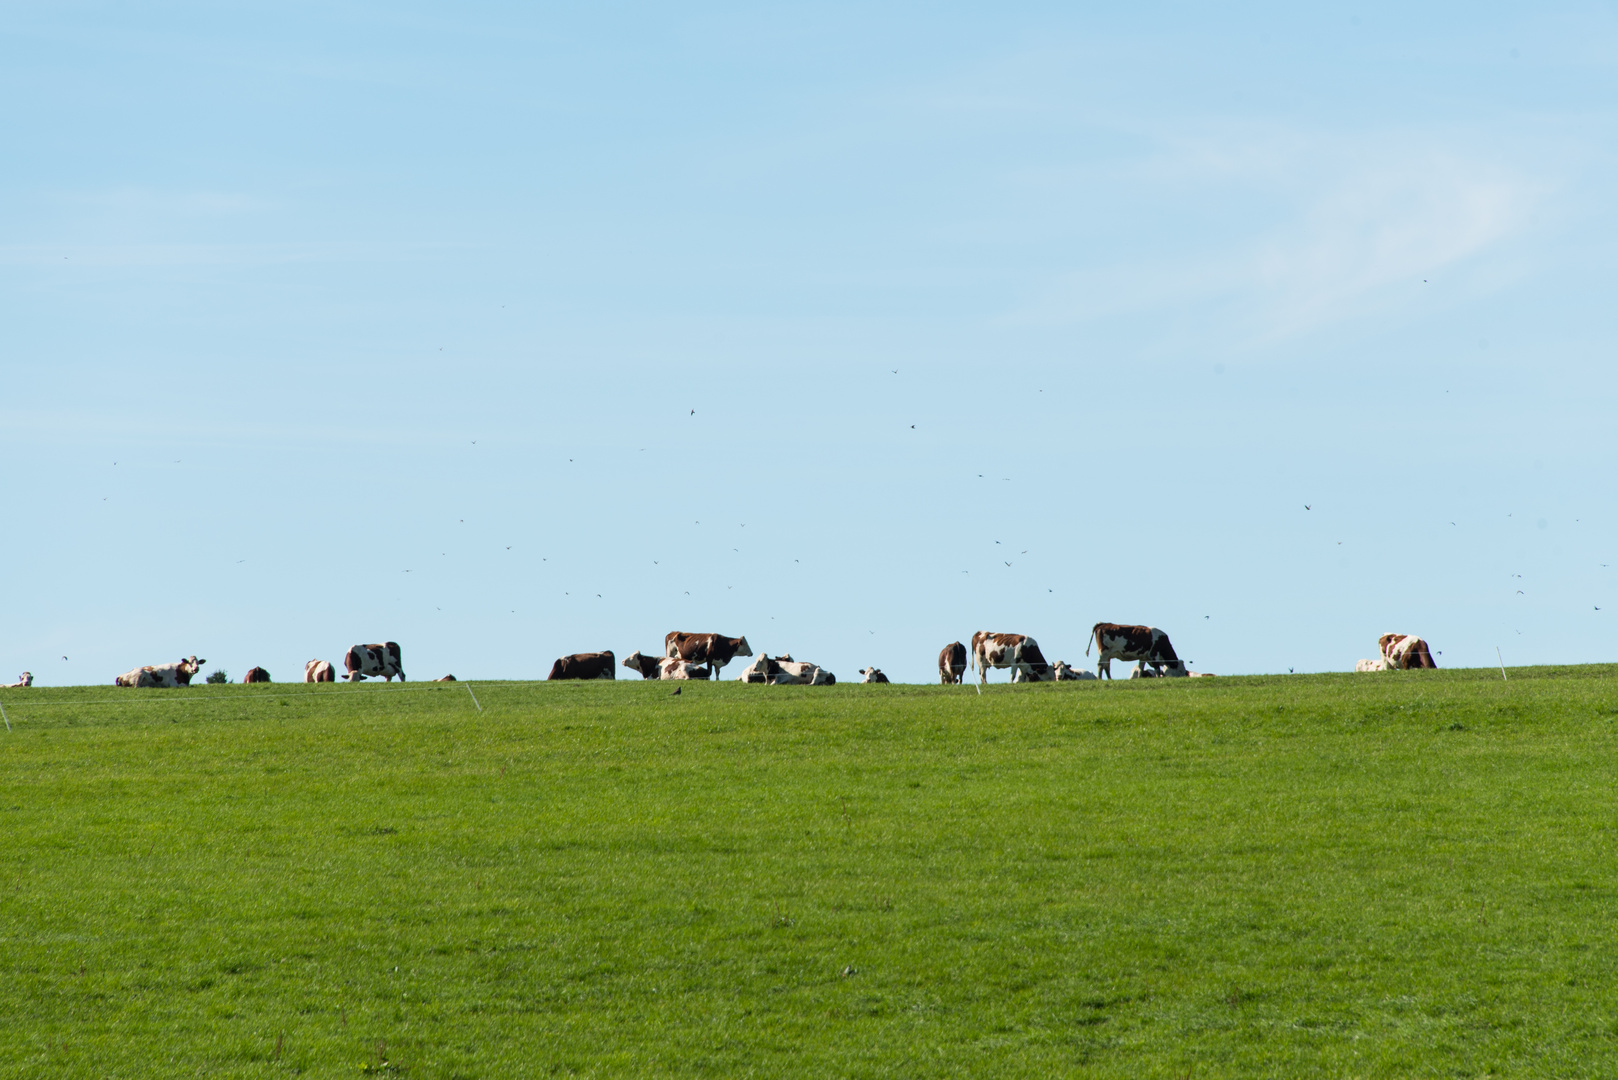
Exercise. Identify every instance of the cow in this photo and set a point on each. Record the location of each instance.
(952, 664)
(1201, 675)
(873, 675)
(785, 671)
(1405, 651)
(1147, 644)
(1379, 664)
(662, 667)
(1141, 671)
(715, 650)
(363, 661)
(446, 678)
(1061, 672)
(319, 671)
(1019, 652)
(166, 676)
(25, 679)
(256, 674)
(585, 665)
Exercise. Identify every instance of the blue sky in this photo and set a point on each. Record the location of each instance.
(505, 332)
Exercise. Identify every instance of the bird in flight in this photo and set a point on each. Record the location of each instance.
(1306, 506)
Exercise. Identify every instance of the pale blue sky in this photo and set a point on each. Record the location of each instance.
(393, 319)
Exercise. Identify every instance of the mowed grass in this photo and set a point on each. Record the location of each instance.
(1375, 875)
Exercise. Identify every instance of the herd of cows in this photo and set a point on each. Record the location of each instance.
(701, 656)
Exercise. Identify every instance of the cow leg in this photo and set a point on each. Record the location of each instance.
(1103, 669)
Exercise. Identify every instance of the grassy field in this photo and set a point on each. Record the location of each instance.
(1376, 875)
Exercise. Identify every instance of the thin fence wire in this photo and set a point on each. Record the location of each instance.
(144, 696)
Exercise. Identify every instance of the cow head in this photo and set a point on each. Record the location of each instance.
(646, 665)
(1175, 669)
(186, 669)
(742, 648)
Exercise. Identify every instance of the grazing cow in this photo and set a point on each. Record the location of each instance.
(1147, 644)
(166, 676)
(785, 671)
(1063, 673)
(585, 665)
(446, 678)
(663, 667)
(319, 671)
(256, 674)
(952, 664)
(1019, 652)
(873, 675)
(366, 660)
(25, 679)
(1379, 664)
(1405, 651)
(715, 650)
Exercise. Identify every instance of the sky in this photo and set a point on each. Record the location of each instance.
(511, 331)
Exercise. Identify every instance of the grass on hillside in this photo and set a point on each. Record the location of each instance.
(1376, 875)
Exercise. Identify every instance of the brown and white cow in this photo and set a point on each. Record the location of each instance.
(256, 674)
(662, 667)
(873, 675)
(585, 665)
(446, 678)
(319, 671)
(1019, 652)
(715, 650)
(25, 679)
(951, 663)
(1146, 644)
(363, 661)
(785, 671)
(1405, 651)
(1379, 664)
(166, 676)
(1062, 672)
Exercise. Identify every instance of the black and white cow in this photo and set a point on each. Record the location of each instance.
(663, 667)
(1019, 652)
(585, 665)
(1062, 672)
(166, 676)
(785, 671)
(364, 661)
(873, 675)
(1143, 643)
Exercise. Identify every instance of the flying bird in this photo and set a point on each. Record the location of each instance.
(1306, 506)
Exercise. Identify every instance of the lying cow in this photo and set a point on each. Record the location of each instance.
(446, 678)
(319, 671)
(364, 661)
(165, 676)
(1019, 652)
(952, 664)
(585, 665)
(256, 674)
(1379, 664)
(1141, 671)
(1405, 651)
(715, 650)
(1145, 644)
(25, 679)
(1063, 673)
(661, 667)
(873, 675)
(785, 671)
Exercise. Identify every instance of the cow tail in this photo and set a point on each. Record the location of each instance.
(1092, 640)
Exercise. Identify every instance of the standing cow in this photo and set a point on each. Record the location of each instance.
(952, 664)
(1144, 643)
(256, 674)
(363, 661)
(319, 671)
(715, 650)
(1405, 651)
(585, 665)
(1019, 652)
(166, 676)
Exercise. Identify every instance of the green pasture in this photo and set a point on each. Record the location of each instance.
(1398, 874)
